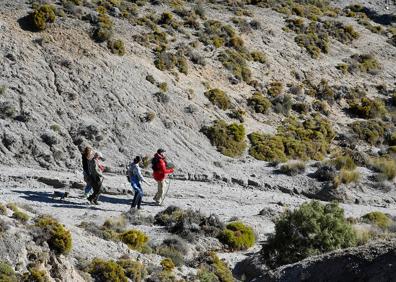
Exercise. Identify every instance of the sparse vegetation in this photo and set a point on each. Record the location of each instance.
(168, 61)
(219, 98)
(116, 47)
(57, 236)
(238, 236)
(214, 269)
(228, 138)
(134, 270)
(7, 273)
(35, 275)
(275, 88)
(386, 168)
(309, 139)
(236, 62)
(372, 131)
(42, 15)
(3, 209)
(367, 108)
(311, 229)
(259, 103)
(292, 168)
(20, 216)
(365, 63)
(345, 177)
(378, 218)
(135, 239)
(344, 162)
(167, 264)
(102, 270)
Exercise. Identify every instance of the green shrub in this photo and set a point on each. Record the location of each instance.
(311, 229)
(385, 167)
(135, 239)
(7, 273)
(228, 138)
(391, 141)
(167, 264)
(104, 29)
(372, 131)
(275, 88)
(344, 162)
(215, 33)
(214, 269)
(42, 15)
(238, 236)
(57, 236)
(172, 253)
(282, 104)
(294, 140)
(3, 209)
(134, 270)
(20, 216)
(292, 168)
(259, 56)
(369, 26)
(163, 86)
(342, 67)
(116, 47)
(346, 176)
(219, 98)
(237, 114)
(378, 218)
(235, 62)
(150, 79)
(367, 108)
(365, 63)
(168, 61)
(102, 271)
(12, 206)
(259, 103)
(35, 275)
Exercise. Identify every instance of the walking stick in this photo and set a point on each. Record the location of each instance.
(166, 192)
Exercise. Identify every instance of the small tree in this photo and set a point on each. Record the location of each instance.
(311, 229)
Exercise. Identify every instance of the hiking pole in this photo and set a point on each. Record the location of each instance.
(166, 192)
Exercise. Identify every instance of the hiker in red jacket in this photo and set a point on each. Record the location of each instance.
(159, 174)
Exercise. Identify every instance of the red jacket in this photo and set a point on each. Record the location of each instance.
(161, 171)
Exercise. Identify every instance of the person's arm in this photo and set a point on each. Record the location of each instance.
(98, 170)
(164, 169)
(139, 173)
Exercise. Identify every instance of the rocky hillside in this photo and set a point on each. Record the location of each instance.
(130, 77)
(261, 105)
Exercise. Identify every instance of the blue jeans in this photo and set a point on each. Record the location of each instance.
(137, 188)
(88, 187)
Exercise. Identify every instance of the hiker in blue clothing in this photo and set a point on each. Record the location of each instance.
(135, 177)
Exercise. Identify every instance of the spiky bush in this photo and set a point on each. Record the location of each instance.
(134, 270)
(236, 62)
(20, 216)
(367, 108)
(104, 29)
(344, 162)
(378, 218)
(275, 88)
(42, 15)
(259, 103)
(167, 264)
(102, 271)
(35, 275)
(214, 269)
(259, 56)
(372, 131)
(229, 139)
(219, 98)
(386, 168)
(365, 63)
(311, 229)
(135, 239)
(116, 47)
(238, 236)
(57, 236)
(292, 168)
(345, 177)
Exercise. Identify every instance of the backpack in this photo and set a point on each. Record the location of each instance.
(92, 170)
(155, 164)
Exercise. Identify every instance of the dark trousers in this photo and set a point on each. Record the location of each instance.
(97, 189)
(137, 188)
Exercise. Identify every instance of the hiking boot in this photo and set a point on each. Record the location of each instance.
(96, 203)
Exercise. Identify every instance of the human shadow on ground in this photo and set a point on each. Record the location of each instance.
(46, 197)
(113, 200)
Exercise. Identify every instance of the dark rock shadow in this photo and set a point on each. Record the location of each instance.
(26, 24)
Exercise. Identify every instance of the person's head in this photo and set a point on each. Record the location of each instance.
(137, 160)
(87, 151)
(98, 155)
(161, 152)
